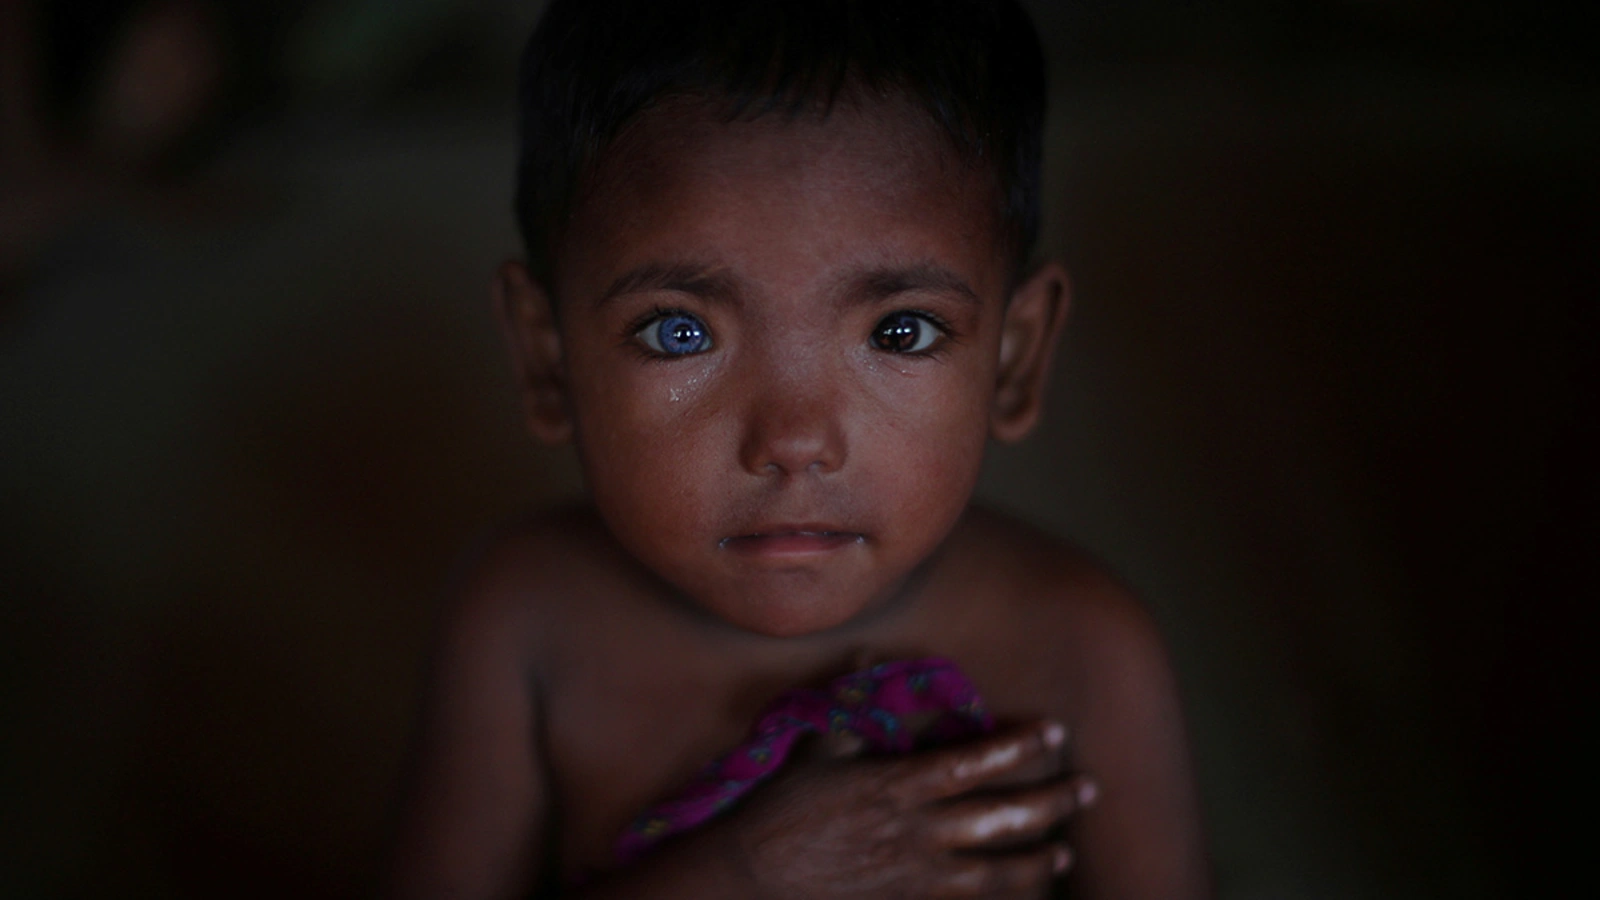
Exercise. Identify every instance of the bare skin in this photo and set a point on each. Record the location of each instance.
(781, 502)
(632, 695)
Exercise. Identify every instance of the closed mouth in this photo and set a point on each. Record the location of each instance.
(792, 541)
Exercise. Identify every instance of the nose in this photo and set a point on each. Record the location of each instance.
(794, 426)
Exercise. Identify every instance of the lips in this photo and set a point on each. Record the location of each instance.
(793, 541)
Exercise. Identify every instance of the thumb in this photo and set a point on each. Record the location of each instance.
(833, 746)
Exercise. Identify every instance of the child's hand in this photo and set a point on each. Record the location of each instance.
(976, 820)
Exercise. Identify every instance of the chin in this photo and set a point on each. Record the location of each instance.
(784, 615)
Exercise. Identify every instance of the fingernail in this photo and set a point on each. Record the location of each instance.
(1088, 792)
(1055, 734)
(1063, 859)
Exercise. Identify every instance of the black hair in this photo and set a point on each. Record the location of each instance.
(975, 66)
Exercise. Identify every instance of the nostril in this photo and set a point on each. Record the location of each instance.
(815, 454)
(792, 432)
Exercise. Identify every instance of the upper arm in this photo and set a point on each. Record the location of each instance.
(1143, 838)
(472, 824)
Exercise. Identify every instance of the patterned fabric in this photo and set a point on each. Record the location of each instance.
(895, 708)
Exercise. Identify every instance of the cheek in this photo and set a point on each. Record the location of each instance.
(648, 450)
(926, 439)
(627, 407)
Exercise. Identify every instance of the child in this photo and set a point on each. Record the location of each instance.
(775, 295)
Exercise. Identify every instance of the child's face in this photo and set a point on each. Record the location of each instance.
(779, 352)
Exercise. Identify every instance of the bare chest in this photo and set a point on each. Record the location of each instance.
(630, 733)
(626, 738)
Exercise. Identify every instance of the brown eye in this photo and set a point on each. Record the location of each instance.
(904, 332)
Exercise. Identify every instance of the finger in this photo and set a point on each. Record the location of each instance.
(1086, 789)
(949, 773)
(1012, 818)
(1036, 771)
(831, 746)
(840, 745)
(1024, 873)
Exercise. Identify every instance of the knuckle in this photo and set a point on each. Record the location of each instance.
(903, 782)
(1004, 820)
(889, 831)
(1012, 878)
(883, 775)
(1063, 801)
(967, 880)
(1064, 859)
(1055, 762)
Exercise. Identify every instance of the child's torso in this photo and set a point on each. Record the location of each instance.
(631, 724)
(636, 695)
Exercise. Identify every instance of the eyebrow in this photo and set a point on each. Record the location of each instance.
(690, 278)
(869, 285)
(880, 284)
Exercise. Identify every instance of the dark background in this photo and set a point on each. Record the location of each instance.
(1326, 402)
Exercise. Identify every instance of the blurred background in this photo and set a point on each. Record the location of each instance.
(1327, 402)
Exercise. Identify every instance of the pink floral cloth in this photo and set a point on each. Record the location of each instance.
(875, 704)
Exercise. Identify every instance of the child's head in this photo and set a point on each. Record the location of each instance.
(774, 292)
(974, 67)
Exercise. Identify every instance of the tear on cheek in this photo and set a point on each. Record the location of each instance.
(685, 390)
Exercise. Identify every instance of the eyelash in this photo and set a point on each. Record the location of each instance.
(630, 334)
(934, 319)
(657, 313)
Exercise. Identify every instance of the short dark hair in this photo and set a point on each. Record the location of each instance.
(975, 66)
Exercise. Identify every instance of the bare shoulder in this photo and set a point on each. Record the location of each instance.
(532, 553)
(523, 575)
(1080, 627)
(1086, 650)
(476, 798)
(1057, 591)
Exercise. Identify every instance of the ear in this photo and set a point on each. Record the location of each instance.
(1028, 339)
(528, 321)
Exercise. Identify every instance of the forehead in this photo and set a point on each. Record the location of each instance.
(872, 183)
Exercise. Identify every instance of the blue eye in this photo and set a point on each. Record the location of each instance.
(676, 334)
(905, 332)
